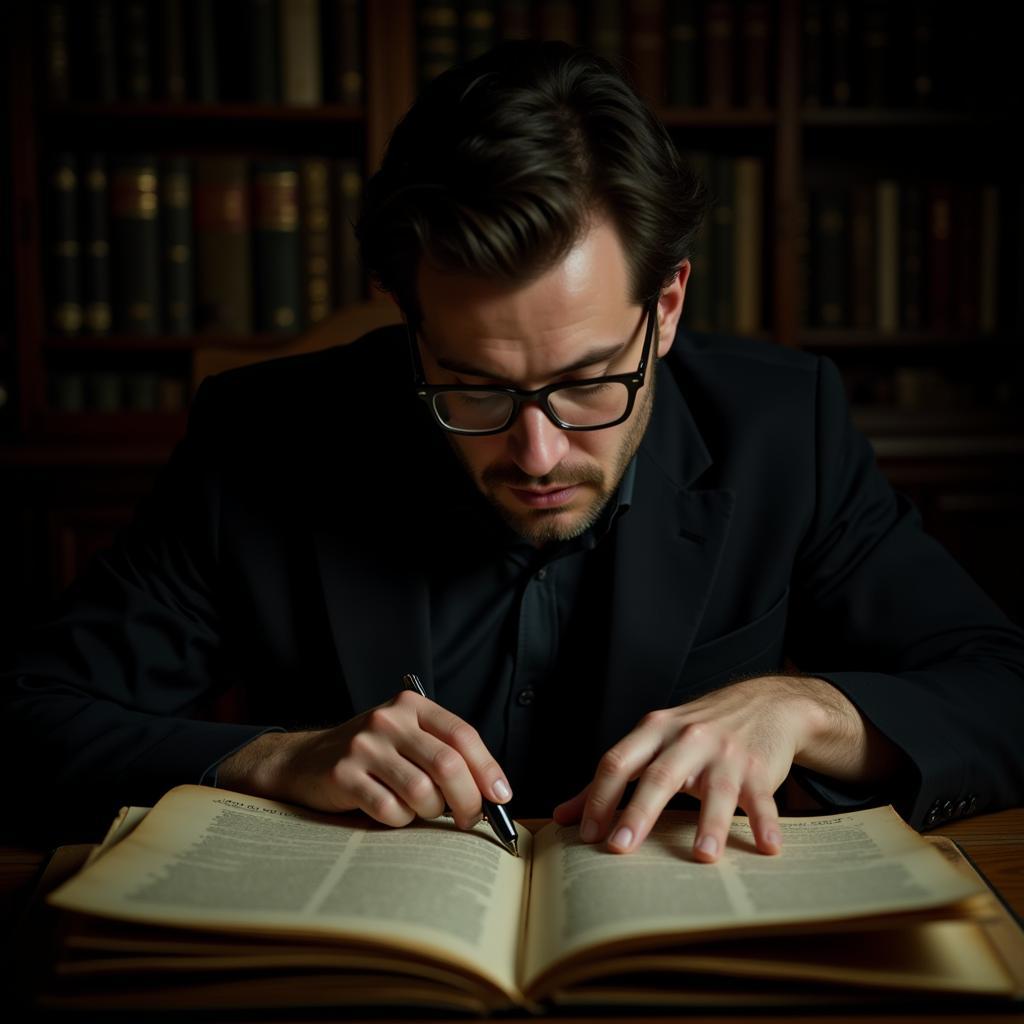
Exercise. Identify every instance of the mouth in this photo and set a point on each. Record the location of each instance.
(550, 498)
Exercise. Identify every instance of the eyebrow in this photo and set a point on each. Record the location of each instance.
(592, 358)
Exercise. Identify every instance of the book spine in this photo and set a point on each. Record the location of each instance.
(136, 55)
(349, 191)
(922, 70)
(988, 260)
(557, 19)
(939, 200)
(719, 33)
(830, 232)
(606, 29)
(862, 256)
(347, 45)
(174, 86)
(887, 254)
(223, 233)
(912, 249)
(515, 19)
(96, 232)
(749, 235)
(301, 78)
(876, 42)
(103, 35)
(966, 253)
(204, 64)
(438, 39)
(136, 245)
(317, 260)
(645, 43)
(811, 47)
(840, 92)
(66, 292)
(178, 245)
(683, 54)
(479, 28)
(697, 309)
(755, 32)
(263, 70)
(723, 220)
(276, 247)
(58, 55)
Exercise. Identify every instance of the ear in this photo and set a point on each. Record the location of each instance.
(670, 308)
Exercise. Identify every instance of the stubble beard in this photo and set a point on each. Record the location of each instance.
(546, 526)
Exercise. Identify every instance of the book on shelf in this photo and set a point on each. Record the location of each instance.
(216, 899)
(294, 52)
(178, 245)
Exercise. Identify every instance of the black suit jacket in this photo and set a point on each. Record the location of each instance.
(283, 550)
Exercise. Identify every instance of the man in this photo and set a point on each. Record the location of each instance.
(596, 536)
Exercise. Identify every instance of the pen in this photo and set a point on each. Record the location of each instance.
(495, 814)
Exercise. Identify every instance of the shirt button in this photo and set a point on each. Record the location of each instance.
(524, 698)
(542, 574)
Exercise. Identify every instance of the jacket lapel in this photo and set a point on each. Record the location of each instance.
(666, 559)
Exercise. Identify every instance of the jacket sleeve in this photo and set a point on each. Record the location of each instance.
(886, 615)
(98, 699)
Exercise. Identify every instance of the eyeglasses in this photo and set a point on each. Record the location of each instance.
(479, 409)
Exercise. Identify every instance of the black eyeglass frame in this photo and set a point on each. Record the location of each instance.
(633, 381)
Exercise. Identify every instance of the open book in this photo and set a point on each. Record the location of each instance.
(215, 899)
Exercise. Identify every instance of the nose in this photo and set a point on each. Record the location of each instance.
(535, 443)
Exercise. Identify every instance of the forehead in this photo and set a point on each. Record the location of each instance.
(521, 333)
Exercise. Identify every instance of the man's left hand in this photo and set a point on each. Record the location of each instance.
(731, 747)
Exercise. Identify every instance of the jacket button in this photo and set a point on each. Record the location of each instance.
(961, 809)
(524, 698)
(932, 819)
(947, 809)
(972, 802)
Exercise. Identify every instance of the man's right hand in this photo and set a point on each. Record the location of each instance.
(403, 759)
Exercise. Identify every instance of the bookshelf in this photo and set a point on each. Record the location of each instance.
(818, 124)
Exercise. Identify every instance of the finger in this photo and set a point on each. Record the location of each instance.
(763, 814)
(668, 774)
(618, 766)
(379, 802)
(489, 779)
(719, 800)
(569, 811)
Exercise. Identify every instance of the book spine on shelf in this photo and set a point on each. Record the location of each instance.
(344, 52)
(349, 192)
(263, 72)
(437, 22)
(174, 83)
(479, 27)
(58, 54)
(887, 255)
(605, 29)
(755, 37)
(684, 54)
(102, 34)
(988, 261)
(966, 259)
(203, 66)
(862, 256)
(223, 258)
(749, 243)
(939, 205)
(720, 30)
(276, 246)
(922, 55)
(830, 233)
(317, 258)
(811, 51)
(178, 246)
(66, 281)
(135, 51)
(299, 33)
(135, 229)
(876, 41)
(558, 19)
(98, 315)
(645, 46)
(840, 91)
(515, 19)
(912, 232)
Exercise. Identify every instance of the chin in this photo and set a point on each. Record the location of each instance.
(546, 526)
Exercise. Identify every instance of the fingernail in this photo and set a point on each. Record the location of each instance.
(774, 839)
(501, 791)
(623, 837)
(588, 833)
(708, 844)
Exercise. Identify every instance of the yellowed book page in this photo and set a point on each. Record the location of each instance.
(832, 868)
(209, 858)
(123, 825)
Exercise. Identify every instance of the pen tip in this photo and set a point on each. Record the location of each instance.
(514, 843)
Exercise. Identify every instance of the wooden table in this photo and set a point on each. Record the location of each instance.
(994, 842)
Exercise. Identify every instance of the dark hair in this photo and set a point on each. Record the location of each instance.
(499, 165)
